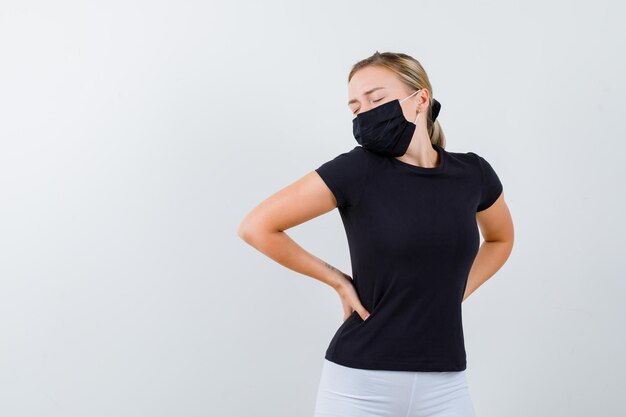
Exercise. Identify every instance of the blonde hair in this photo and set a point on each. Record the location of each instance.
(413, 75)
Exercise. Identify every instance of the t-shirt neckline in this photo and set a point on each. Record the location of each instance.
(425, 170)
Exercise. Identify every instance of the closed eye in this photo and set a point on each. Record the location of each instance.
(372, 102)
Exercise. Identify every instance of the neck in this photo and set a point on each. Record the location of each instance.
(420, 151)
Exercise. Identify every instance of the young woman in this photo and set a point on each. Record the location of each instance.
(412, 213)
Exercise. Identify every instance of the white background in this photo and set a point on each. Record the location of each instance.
(135, 135)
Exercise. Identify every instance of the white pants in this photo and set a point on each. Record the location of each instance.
(352, 392)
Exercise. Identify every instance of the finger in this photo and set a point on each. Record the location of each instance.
(362, 312)
(346, 313)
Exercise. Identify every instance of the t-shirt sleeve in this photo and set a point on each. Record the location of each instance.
(346, 175)
(491, 187)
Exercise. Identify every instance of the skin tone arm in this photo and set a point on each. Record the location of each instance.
(264, 229)
(496, 226)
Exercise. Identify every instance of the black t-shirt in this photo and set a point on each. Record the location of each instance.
(412, 236)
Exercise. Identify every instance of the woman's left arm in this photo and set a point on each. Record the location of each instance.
(496, 226)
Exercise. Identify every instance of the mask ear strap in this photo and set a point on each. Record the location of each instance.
(409, 95)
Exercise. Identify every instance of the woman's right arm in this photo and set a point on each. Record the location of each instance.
(264, 229)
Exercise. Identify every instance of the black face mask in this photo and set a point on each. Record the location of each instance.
(384, 129)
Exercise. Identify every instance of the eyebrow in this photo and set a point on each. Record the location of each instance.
(366, 93)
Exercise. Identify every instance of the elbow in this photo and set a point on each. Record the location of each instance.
(506, 247)
(254, 228)
(249, 231)
(243, 231)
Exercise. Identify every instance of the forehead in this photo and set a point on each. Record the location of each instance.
(369, 78)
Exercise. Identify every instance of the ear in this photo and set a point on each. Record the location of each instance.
(422, 100)
(424, 96)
